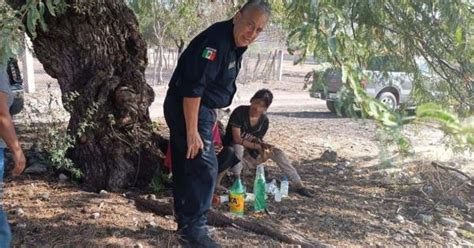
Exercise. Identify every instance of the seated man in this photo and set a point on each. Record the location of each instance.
(245, 132)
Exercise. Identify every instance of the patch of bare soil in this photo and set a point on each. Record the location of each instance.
(357, 203)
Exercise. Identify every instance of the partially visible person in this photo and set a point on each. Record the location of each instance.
(245, 131)
(8, 139)
(226, 157)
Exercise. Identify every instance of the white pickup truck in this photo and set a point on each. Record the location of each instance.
(386, 81)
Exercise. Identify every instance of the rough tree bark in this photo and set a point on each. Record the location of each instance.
(96, 50)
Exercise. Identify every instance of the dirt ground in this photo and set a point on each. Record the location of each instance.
(358, 200)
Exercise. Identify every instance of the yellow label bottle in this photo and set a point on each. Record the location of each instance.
(237, 198)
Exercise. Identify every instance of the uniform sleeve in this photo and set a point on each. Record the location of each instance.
(201, 62)
(236, 119)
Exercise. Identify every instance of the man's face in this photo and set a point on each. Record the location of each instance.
(248, 25)
(258, 107)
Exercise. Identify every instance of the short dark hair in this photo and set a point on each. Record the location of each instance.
(261, 5)
(264, 95)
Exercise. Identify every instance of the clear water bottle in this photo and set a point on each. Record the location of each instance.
(271, 187)
(277, 195)
(259, 189)
(284, 187)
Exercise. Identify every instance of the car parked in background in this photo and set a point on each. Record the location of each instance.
(386, 80)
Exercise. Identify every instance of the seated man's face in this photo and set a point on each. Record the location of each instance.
(258, 107)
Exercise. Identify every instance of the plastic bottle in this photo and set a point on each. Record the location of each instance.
(219, 199)
(271, 187)
(284, 186)
(278, 195)
(259, 189)
(236, 198)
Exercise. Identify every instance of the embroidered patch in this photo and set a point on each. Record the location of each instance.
(209, 53)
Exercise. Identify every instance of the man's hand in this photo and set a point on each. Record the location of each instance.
(195, 144)
(266, 146)
(7, 133)
(218, 148)
(20, 162)
(258, 147)
(264, 155)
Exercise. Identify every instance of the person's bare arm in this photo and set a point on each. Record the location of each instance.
(247, 144)
(191, 115)
(8, 134)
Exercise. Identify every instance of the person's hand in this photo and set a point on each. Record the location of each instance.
(267, 146)
(195, 144)
(218, 148)
(20, 162)
(258, 147)
(264, 155)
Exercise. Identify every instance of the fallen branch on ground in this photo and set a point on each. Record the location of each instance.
(447, 168)
(217, 219)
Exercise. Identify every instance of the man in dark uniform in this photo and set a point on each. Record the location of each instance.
(204, 80)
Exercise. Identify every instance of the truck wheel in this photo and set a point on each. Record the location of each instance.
(331, 105)
(389, 100)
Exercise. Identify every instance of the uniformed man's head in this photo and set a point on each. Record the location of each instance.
(250, 21)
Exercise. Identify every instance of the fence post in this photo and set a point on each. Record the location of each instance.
(280, 65)
(28, 67)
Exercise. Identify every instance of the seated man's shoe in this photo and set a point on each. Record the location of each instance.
(304, 192)
(204, 241)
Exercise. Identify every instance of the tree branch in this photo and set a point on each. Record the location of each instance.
(447, 168)
(216, 218)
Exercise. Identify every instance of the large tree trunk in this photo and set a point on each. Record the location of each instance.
(95, 49)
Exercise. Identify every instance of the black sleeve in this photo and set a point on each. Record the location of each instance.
(236, 118)
(264, 129)
(201, 62)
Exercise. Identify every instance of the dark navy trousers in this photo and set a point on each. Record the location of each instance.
(194, 179)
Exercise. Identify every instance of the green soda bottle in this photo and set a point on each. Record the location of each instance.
(237, 198)
(259, 189)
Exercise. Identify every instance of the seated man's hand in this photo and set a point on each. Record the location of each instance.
(267, 146)
(218, 148)
(264, 155)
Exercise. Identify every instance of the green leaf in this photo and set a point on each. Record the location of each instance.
(40, 16)
(41, 8)
(51, 9)
(435, 112)
(332, 42)
(31, 20)
(458, 35)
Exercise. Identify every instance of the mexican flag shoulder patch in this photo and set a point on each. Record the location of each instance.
(209, 53)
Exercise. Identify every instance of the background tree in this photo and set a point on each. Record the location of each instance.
(168, 24)
(95, 51)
